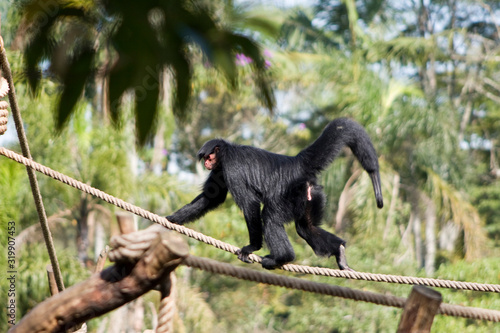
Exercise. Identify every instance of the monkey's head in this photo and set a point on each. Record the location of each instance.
(209, 153)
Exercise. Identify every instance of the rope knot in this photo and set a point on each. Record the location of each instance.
(129, 248)
(4, 113)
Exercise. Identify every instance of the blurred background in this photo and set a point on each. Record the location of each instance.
(121, 95)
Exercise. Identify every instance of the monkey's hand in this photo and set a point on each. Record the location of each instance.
(244, 252)
(171, 218)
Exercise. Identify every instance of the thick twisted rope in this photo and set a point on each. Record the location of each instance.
(216, 267)
(131, 247)
(4, 87)
(233, 249)
(23, 141)
(167, 306)
(4, 113)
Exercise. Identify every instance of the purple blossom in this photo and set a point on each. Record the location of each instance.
(243, 60)
(268, 55)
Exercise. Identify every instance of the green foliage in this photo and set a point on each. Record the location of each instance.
(408, 84)
(87, 151)
(406, 50)
(146, 37)
(32, 286)
(480, 271)
(487, 200)
(12, 185)
(161, 194)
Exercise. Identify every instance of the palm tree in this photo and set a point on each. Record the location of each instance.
(416, 136)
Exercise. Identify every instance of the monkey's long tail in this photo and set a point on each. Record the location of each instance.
(375, 176)
(337, 134)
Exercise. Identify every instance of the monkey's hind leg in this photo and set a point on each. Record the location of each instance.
(322, 242)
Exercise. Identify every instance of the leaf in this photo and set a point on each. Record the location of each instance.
(146, 101)
(224, 60)
(252, 50)
(40, 47)
(41, 44)
(143, 35)
(79, 69)
(182, 77)
(267, 21)
(120, 79)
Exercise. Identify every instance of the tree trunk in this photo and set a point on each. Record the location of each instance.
(345, 200)
(448, 236)
(82, 240)
(392, 207)
(99, 239)
(430, 236)
(417, 229)
(159, 147)
(406, 243)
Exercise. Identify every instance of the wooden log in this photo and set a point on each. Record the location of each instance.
(105, 291)
(419, 310)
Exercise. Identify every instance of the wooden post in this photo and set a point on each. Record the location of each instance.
(419, 310)
(102, 259)
(126, 222)
(105, 291)
(52, 280)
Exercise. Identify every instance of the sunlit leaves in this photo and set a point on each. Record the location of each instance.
(406, 50)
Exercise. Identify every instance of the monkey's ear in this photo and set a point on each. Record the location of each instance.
(216, 149)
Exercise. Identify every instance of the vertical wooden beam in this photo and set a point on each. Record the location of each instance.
(52, 280)
(126, 222)
(102, 259)
(419, 310)
(23, 141)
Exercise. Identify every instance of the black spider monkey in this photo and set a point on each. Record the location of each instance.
(285, 185)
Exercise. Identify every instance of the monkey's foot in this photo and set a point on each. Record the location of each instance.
(342, 260)
(243, 256)
(269, 263)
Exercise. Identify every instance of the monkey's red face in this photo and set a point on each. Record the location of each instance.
(210, 161)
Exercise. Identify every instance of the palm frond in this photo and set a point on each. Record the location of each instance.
(146, 38)
(453, 206)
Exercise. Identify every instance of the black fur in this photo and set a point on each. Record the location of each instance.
(281, 183)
